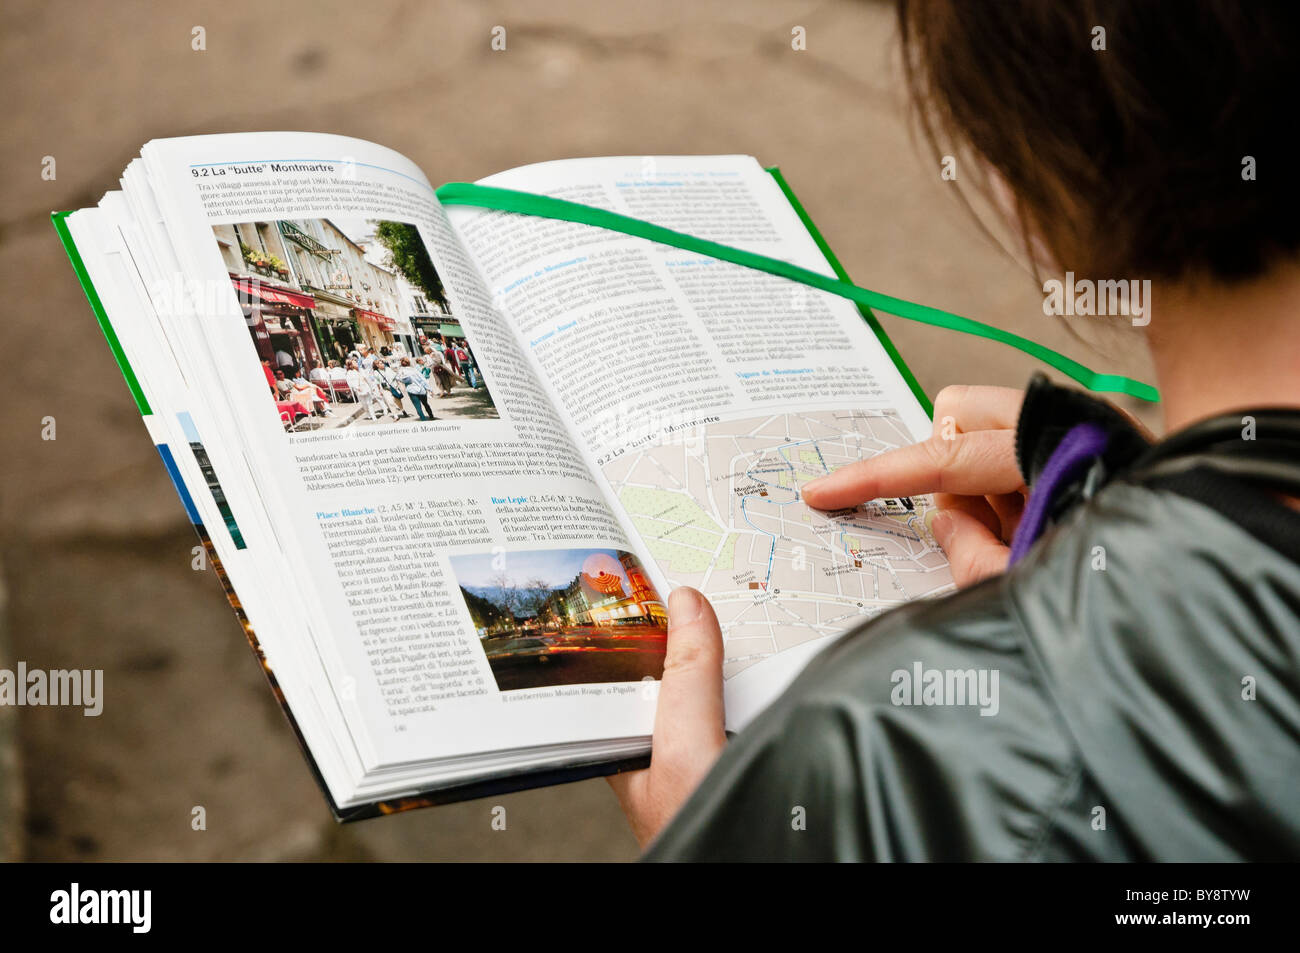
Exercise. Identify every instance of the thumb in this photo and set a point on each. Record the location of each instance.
(973, 550)
(688, 729)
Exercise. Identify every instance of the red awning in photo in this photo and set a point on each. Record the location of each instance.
(385, 322)
(255, 290)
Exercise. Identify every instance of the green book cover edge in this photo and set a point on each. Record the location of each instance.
(59, 220)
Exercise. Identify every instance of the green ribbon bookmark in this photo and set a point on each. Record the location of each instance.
(527, 203)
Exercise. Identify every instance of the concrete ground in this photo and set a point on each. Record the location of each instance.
(95, 545)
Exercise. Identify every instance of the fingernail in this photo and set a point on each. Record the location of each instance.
(684, 606)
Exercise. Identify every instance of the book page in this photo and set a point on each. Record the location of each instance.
(706, 394)
(124, 274)
(465, 583)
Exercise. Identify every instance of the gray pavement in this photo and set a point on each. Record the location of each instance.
(95, 545)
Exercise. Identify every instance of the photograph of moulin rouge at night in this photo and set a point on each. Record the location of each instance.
(564, 616)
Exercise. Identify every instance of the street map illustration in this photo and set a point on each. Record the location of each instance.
(720, 508)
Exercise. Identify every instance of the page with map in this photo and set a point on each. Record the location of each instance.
(706, 394)
(719, 507)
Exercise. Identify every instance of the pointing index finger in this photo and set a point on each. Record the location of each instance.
(976, 463)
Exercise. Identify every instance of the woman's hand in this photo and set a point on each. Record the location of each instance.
(688, 732)
(970, 467)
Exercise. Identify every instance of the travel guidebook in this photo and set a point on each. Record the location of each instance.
(449, 461)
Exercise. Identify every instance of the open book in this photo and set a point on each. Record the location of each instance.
(449, 461)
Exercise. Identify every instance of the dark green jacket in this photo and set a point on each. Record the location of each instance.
(1147, 710)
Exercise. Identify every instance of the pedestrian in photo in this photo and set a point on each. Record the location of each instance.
(386, 383)
(441, 373)
(473, 376)
(416, 388)
(379, 388)
(359, 383)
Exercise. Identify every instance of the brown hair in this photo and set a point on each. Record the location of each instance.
(1127, 161)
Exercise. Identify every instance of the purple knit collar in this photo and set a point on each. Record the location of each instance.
(1078, 448)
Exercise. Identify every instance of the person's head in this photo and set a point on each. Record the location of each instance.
(1137, 138)
(406, 362)
(428, 349)
(351, 365)
(379, 364)
(333, 363)
(279, 375)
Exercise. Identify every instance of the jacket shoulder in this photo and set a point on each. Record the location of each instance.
(925, 734)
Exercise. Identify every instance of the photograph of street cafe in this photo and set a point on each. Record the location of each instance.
(564, 617)
(333, 306)
(323, 290)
